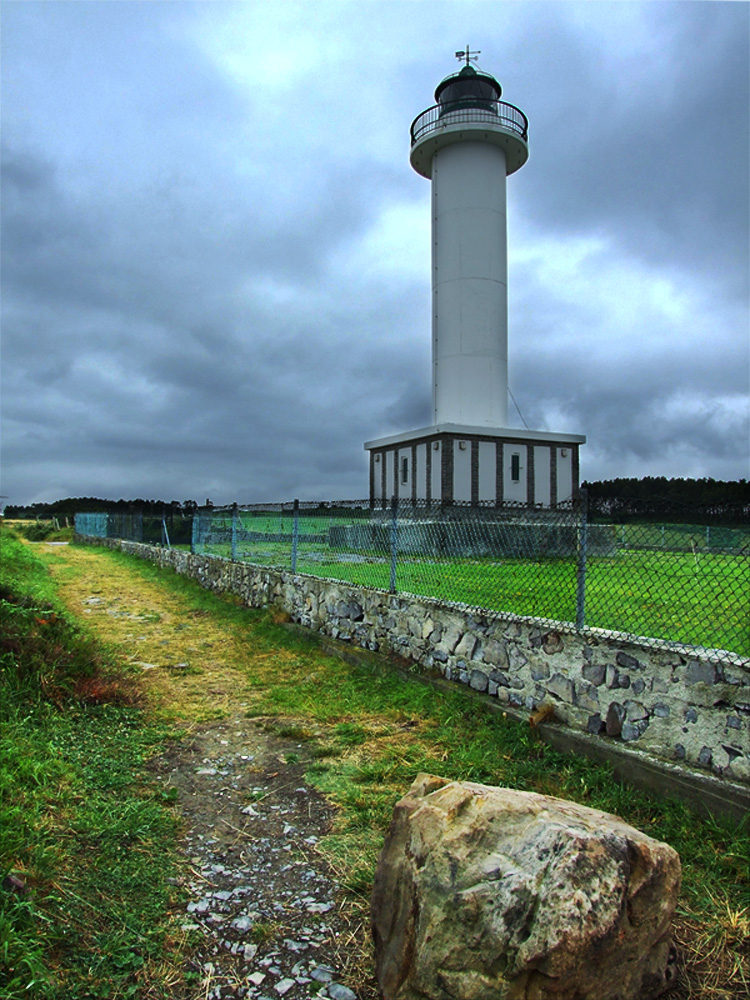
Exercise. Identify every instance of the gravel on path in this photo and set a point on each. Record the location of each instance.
(265, 915)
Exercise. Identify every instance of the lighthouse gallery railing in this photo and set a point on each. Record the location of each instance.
(491, 113)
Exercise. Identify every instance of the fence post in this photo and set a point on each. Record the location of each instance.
(394, 543)
(164, 534)
(583, 533)
(234, 532)
(295, 535)
(194, 530)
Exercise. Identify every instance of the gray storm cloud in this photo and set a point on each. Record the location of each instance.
(216, 261)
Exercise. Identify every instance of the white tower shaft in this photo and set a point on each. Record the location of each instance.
(469, 285)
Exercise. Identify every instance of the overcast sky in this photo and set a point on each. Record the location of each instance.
(216, 274)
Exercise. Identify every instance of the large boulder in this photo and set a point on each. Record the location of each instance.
(486, 893)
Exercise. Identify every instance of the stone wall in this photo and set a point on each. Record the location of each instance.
(676, 705)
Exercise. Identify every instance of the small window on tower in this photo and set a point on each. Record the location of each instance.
(515, 467)
(404, 470)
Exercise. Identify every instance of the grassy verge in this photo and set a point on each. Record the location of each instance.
(86, 853)
(371, 733)
(40, 531)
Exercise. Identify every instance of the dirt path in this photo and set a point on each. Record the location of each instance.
(265, 915)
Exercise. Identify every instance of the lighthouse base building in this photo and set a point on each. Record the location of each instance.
(451, 463)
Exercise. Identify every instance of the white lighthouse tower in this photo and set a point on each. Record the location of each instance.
(467, 144)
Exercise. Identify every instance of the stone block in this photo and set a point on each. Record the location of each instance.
(501, 679)
(478, 680)
(466, 646)
(416, 627)
(516, 659)
(615, 719)
(635, 711)
(587, 697)
(595, 724)
(495, 653)
(452, 635)
(552, 643)
(633, 730)
(485, 892)
(594, 673)
(562, 687)
(627, 661)
(732, 752)
(739, 769)
(699, 672)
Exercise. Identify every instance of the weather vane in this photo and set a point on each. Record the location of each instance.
(468, 55)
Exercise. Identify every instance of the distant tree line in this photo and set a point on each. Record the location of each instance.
(74, 505)
(649, 498)
(660, 499)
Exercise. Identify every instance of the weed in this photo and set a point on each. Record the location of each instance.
(350, 734)
(264, 930)
(38, 531)
(291, 730)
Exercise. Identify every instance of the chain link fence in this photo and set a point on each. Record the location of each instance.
(152, 529)
(681, 578)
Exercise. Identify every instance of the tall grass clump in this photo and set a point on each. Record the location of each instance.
(41, 531)
(85, 845)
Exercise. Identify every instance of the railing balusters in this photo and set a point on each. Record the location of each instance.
(491, 113)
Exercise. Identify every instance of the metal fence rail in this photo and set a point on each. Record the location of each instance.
(683, 580)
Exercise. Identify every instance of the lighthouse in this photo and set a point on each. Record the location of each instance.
(467, 145)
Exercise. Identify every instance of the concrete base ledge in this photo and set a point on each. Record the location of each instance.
(705, 793)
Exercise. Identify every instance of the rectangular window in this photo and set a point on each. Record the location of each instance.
(515, 467)
(404, 470)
